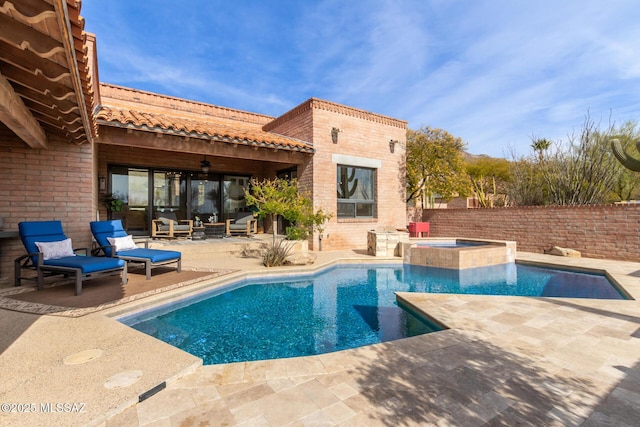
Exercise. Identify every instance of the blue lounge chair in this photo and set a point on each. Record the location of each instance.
(49, 251)
(105, 230)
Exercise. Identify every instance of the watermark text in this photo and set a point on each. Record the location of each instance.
(48, 407)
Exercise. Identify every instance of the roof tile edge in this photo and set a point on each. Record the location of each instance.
(159, 123)
(137, 96)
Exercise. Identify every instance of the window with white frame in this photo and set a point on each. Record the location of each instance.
(356, 192)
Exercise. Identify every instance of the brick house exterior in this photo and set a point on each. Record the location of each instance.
(64, 137)
(363, 140)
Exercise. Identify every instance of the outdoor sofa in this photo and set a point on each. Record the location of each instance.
(242, 223)
(168, 225)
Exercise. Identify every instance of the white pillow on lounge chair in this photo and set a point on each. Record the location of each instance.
(53, 250)
(122, 243)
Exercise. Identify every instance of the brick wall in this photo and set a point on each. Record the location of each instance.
(298, 124)
(363, 136)
(601, 231)
(38, 185)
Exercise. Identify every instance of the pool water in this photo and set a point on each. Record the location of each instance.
(509, 279)
(339, 308)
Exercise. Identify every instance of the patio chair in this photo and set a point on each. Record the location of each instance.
(50, 251)
(113, 240)
(242, 223)
(167, 224)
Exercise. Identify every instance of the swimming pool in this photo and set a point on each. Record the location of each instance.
(341, 307)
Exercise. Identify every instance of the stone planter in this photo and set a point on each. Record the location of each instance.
(385, 243)
(300, 246)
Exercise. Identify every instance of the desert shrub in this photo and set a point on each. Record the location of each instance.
(277, 253)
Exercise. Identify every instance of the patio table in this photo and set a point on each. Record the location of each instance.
(214, 230)
(198, 233)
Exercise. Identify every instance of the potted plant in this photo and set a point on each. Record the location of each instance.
(112, 202)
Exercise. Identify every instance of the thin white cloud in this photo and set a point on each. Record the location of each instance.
(192, 80)
(523, 78)
(493, 72)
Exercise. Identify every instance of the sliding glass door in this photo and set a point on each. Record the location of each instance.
(131, 187)
(205, 198)
(145, 193)
(169, 193)
(233, 194)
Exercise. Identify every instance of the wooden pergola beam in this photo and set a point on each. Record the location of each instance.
(17, 117)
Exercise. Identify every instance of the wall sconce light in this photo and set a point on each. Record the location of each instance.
(102, 183)
(334, 134)
(205, 165)
(392, 144)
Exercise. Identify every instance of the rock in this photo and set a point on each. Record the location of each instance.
(557, 250)
(252, 252)
(301, 258)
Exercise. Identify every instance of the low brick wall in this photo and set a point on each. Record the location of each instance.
(600, 231)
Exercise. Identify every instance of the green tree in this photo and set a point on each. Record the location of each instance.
(435, 165)
(581, 171)
(540, 146)
(526, 186)
(282, 197)
(626, 186)
(489, 176)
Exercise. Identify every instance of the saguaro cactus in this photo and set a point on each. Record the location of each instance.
(348, 184)
(627, 160)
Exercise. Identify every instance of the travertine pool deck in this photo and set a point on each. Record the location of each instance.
(503, 361)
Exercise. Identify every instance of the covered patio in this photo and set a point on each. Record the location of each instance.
(70, 143)
(163, 154)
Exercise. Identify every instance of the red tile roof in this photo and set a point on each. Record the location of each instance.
(129, 108)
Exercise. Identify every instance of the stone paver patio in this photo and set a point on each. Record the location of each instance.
(502, 361)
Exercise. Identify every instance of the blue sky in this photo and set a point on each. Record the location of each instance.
(493, 72)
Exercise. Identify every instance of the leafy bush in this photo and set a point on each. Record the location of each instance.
(296, 233)
(282, 197)
(112, 202)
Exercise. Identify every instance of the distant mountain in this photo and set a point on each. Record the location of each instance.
(468, 156)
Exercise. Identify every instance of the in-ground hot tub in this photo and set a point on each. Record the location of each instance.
(458, 253)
